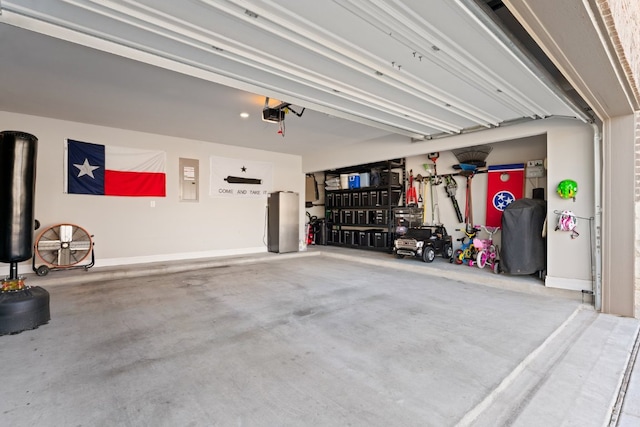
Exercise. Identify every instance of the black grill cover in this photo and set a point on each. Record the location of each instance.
(523, 247)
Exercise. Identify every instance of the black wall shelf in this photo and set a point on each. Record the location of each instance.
(362, 217)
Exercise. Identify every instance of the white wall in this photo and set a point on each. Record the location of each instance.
(127, 229)
(570, 152)
(569, 148)
(507, 152)
(517, 150)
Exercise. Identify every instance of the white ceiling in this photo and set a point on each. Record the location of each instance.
(416, 68)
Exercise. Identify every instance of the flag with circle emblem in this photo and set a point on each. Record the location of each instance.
(505, 184)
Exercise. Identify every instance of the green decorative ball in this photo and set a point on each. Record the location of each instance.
(567, 189)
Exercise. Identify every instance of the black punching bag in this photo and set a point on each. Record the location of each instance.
(18, 151)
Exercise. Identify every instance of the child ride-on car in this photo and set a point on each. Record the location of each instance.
(424, 242)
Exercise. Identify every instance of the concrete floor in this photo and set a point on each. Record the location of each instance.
(337, 338)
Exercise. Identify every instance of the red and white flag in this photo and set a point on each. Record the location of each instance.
(505, 184)
(114, 171)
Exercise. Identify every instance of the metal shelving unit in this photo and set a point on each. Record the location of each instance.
(363, 217)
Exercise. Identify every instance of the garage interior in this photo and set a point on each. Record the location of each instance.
(188, 319)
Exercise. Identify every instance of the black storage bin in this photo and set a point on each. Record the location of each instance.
(395, 197)
(523, 249)
(373, 198)
(384, 197)
(364, 238)
(346, 199)
(333, 216)
(371, 217)
(361, 218)
(335, 236)
(347, 237)
(392, 178)
(330, 200)
(355, 235)
(378, 217)
(364, 199)
(355, 200)
(380, 239)
(347, 217)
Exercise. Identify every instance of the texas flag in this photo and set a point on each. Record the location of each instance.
(505, 184)
(114, 171)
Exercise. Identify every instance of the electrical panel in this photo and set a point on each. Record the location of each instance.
(535, 169)
(189, 179)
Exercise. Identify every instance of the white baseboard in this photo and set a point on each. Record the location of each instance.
(26, 267)
(571, 284)
(108, 262)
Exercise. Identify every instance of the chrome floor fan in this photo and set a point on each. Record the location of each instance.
(63, 246)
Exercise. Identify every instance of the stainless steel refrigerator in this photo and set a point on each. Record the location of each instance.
(283, 213)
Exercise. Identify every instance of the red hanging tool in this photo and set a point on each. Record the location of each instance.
(435, 179)
(412, 198)
(468, 171)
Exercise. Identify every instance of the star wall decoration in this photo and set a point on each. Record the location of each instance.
(502, 199)
(86, 169)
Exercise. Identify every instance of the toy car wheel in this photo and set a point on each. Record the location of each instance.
(447, 251)
(43, 270)
(496, 267)
(457, 256)
(428, 254)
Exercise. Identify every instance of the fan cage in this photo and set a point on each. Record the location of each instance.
(63, 245)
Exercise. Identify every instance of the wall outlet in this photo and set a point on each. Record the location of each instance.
(532, 163)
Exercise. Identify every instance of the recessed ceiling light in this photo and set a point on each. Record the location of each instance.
(244, 115)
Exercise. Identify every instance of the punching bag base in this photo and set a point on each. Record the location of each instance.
(23, 310)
